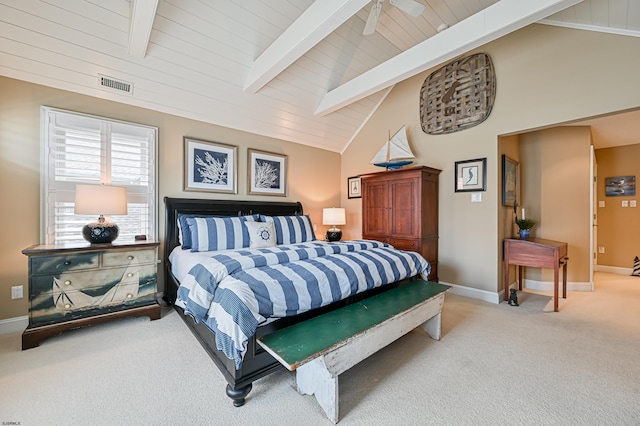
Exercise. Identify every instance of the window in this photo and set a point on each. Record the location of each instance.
(84, 149)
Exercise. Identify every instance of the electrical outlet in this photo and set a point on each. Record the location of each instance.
(17, 292)
(600, 203)
(600, 249)
(632, 203)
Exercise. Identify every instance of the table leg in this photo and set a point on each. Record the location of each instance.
(555, 287)
(564, 279)
(520, 276)
(506, 279)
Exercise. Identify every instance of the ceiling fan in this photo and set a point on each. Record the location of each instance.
(410, 7)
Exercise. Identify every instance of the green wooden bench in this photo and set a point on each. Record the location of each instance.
(322, 348)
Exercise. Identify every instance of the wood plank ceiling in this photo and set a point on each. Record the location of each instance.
(296, 70)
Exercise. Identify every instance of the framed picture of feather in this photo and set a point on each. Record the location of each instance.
(267, 173)
(210, 166)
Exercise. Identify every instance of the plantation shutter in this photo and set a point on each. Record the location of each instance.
(83, 149)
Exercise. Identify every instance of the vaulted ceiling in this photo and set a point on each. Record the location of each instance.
(297, 70)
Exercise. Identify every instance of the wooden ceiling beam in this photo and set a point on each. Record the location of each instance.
(317, 22)
(485, 26)
(143, 12)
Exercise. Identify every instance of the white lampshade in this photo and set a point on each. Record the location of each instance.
(333, 216)
(100, 199)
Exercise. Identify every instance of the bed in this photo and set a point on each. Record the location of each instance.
(231, 286)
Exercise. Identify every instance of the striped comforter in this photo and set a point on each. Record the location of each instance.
(235, 291)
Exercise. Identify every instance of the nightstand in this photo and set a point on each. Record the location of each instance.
(73, 286)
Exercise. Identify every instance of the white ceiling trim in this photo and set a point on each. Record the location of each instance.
(143, 12)
(316, 23)
(586, 27)
(487, 25)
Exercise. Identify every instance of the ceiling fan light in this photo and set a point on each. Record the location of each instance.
(410, 7)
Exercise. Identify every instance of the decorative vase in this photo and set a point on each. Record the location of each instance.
(524, 234)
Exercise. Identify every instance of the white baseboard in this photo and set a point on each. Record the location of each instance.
(14, 325)
(474, 293)
(613, 269)
(548, 285)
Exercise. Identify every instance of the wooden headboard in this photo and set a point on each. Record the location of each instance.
(175, 206)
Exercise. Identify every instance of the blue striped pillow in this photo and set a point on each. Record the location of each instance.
(184, 233)
(291, 229)
(218, 233)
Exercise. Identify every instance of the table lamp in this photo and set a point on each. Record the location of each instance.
(333, 216)
(101, 200)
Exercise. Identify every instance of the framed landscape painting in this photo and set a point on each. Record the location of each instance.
(267, 173)
(210, 166)
(510, 181)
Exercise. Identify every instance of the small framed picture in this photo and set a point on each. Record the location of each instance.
(510, 181)
(267, 173)
(354, 187)
(210, 166)
(471, 175)
(620, 186)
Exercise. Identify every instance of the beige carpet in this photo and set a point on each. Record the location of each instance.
(495, 365)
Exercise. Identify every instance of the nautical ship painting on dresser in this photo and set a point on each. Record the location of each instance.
(81, 290)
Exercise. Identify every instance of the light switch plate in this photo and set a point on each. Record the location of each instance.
(476, 197)
(600, 203)
(632, 203)
(625, 203)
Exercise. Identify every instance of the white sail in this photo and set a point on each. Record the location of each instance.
(66, 297)
(125, 289)
(396, 148)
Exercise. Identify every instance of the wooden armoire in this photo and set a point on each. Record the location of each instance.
(400, 207)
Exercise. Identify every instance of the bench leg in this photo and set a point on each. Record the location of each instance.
(313, 378)
(433, 326)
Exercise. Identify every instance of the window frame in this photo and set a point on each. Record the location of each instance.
(47, 216)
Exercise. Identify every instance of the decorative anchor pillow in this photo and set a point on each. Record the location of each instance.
(261, 234)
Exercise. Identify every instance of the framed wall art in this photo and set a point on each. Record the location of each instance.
(620, 186)
(210, 166)
(354, 189)
(471, 175)
(267, 173)
(510, 181)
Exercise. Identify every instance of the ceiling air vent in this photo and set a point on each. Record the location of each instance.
(113, 85)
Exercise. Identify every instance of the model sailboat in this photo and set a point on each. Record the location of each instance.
(395, 153)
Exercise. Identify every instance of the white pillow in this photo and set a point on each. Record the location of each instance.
(261, 234)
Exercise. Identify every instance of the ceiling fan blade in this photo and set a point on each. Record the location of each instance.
(372, 20)
(410, 7)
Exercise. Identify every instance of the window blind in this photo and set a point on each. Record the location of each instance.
(84, 149)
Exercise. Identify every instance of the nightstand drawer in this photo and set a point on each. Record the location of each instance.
(123, 258)
(57, 264)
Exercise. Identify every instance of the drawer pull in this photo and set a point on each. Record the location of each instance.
(67, 262)
(129, 296)
(129, 275)
(130, 257)
(67, 282)
(67, 306)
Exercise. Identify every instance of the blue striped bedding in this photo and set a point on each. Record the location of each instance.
(235, 291)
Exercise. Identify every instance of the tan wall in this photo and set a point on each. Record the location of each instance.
(314, 174)
(556, 186)
(618, 227)
(545, 75)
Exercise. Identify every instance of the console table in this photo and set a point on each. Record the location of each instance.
(539, 253)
